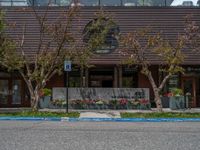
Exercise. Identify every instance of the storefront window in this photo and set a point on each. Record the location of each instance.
(130, 77)
(173, 82)
(74, 81)
(74, 77)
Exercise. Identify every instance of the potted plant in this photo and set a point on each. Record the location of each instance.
(164, 99)
(45, 98)
(176, 99)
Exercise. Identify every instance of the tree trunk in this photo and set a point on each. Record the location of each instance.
(35, 101)
(156, 91)
(35, 97)
(158, 100)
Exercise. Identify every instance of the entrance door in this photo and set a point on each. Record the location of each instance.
(107, 83)
(101, 77)
(10, 92)
(4, 92)
(189, 87)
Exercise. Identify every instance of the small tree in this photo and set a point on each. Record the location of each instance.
(55, 43)
(139, 43)
(5, 43)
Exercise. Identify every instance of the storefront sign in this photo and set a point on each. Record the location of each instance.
(101, 93)
(193, 69)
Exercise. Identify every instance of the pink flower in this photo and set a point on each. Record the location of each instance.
(123, 102)
(144, 101)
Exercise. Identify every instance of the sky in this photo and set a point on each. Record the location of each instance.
(180, 2)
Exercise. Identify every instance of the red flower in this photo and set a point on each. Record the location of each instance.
(144, 101)
(123, 102)
(168, 94)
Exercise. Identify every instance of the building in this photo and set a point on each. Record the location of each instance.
(165, 15)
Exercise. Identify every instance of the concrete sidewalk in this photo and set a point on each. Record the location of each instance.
(100, 113)
(193, 110)
(116, 113)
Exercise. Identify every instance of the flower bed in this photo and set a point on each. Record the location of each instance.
(110, 104)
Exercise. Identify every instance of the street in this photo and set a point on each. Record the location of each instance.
(19, 135)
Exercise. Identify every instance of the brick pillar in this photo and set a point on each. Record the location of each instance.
(86, 77)
(120, 76)
(115, 84)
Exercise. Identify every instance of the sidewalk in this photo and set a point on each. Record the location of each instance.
(193, 110)
(100, 113)
(101, 116)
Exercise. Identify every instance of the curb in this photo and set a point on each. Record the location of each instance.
(30, 119)
(66, 119)
(134, 119)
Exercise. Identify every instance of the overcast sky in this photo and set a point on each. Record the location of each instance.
(180, 2)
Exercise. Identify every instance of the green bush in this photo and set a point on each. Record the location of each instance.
(177, 91)
(46, 92)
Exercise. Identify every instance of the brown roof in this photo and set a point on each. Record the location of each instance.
(169, 20)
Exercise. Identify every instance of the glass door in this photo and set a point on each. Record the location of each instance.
(189, 88)
(4, 92)
(16, 92)
(10, 92)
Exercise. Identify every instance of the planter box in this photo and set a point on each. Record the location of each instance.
(165, 101)
(45, 102)
(177, 102)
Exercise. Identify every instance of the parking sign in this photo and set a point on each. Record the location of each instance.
(67, 65)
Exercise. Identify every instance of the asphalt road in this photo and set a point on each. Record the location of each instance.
(18, 135)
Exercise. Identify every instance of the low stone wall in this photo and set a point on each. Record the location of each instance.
(100, 98)
(101, 93)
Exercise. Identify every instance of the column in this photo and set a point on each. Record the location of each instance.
(120, 76)
(86, 77)
(115, 84)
